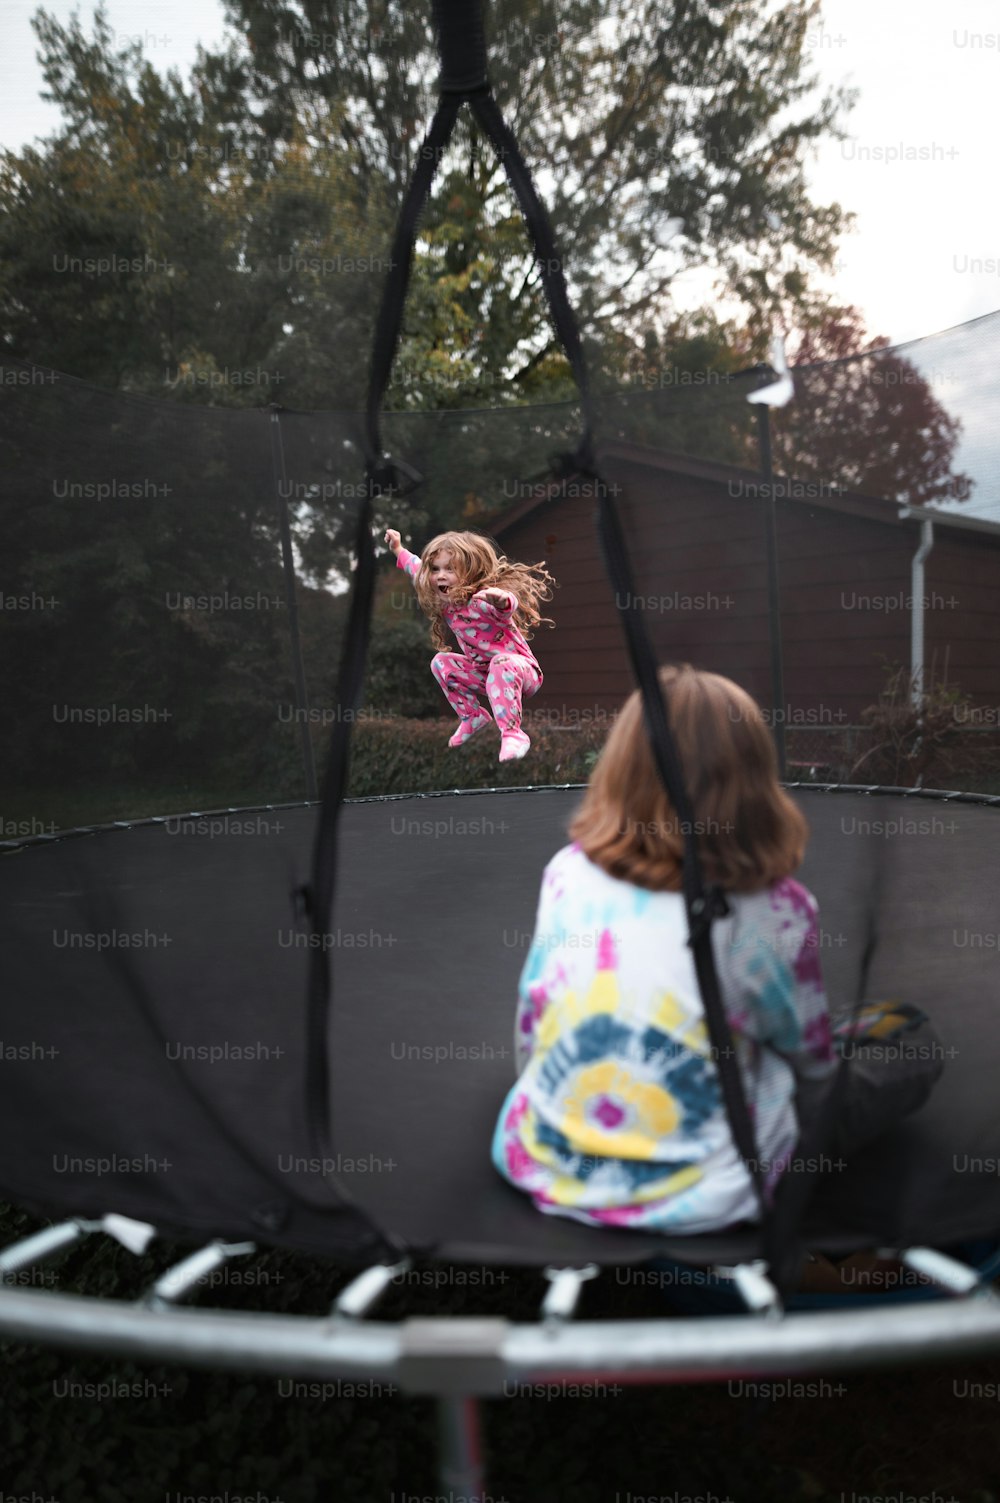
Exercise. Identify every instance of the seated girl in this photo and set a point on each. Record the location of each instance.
(617, 1117)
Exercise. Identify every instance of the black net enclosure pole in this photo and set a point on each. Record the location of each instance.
(773, 599)
(295, 639)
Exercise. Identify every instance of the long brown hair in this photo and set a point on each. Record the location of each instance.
(749, 831)
(480, 566)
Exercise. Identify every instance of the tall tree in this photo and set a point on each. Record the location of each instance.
(636, 121)
(162, 241)
(257, 202)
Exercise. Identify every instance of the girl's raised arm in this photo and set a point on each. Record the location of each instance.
(404, 559)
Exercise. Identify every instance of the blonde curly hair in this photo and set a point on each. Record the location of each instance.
(480, 566)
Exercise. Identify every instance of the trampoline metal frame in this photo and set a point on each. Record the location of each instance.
(459, 1360)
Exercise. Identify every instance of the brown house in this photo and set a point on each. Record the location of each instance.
(851, 591)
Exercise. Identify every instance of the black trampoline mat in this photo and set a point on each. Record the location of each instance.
(177, 1090)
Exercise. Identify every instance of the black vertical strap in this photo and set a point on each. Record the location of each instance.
(381, 475)
(318, 895)
(291, 601)
(702, 905)
(390, 315)
(773, 595)
(462, 45)
(798, 1179)
(796, 1184)
(550, 263)
(462, 64)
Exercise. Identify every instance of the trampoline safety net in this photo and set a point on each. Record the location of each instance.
(178, 601)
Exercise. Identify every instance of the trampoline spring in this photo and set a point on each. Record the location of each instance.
(755, 1288)
(939, 1268)
(41, 1246)
(362, 1293)
(565, 1288)
(182, 1279)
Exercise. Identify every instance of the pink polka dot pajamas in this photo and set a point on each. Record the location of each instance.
(506, 680)
(494, 659)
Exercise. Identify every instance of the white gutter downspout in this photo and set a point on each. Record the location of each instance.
(917, 607)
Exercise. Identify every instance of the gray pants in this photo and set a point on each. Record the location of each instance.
(886, 1080)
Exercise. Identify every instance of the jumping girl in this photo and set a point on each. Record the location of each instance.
(490, 604)
(617, 1118)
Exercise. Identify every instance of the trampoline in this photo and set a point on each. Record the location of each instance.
(195, 1124)
(420, 1055)
(242, 1052)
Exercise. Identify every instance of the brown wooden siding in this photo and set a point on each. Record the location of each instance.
(962, 623)
(845, 584)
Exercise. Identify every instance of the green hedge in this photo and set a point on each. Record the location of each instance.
(393, 755)
(398, 678)
(389, 754)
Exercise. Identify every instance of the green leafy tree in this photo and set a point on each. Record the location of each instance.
(163, 241)
(636, 123)
(223, 241)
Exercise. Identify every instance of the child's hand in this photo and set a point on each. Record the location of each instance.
(394, 540)
(499, 598)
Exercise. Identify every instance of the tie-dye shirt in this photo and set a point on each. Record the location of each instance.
(617, 1117)
(483, 627)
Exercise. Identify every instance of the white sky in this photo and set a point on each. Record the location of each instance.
(919, 170)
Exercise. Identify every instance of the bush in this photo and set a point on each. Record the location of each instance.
(391, 754)
(923, 740)
(398, 680)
